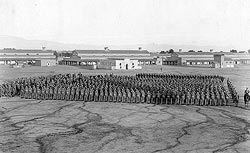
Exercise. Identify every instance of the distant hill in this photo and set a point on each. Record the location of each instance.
(21, 43)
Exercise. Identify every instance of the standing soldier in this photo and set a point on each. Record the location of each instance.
(101, 95)
(63, 93)
(34, 93)
(206, 99)
(182, 99)
(119, 95)
(82, 94)
(106, 94)
(91, 94)
(158, 98)
(38, 90)
(96, 95)
(22, 91)
(177, 100)
(86, 95)
(197, 98)
(110, 96)
(77, 93)
(192, 98)
(51, 92)
(29, 92)
(187, 98)
(72, 93)
(43, 93)
(114, 95)
(202, 99)
(58, 93)
(55, 93)
(67, 97)
(142, 96)
(129, 95)
(133, 96)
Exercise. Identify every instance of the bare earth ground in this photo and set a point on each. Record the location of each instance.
(30, 126)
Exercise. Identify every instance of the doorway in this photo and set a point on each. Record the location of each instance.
(126, 66)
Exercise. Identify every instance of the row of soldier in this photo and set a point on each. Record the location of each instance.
(141, 88)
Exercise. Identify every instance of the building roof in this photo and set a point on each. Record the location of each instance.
(193, 53)
(225, 53)
(26, 56)
(80, 60)
(200, 60)
(25, 59)
(24, 51)
(112, 51)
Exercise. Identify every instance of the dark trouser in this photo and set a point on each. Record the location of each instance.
(67, 97)
(55, 96)
(110, 98)
(143, 99)
(76, 97)
(96, 99)
(101, 97)
(119, 99)
(81, 97)
(91, 97)
(133, 99)
(172, 100)
(86, 98)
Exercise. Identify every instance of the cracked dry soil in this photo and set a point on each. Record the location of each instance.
(32, 126)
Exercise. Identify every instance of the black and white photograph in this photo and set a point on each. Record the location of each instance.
(124, 76)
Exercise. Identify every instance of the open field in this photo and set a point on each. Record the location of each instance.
(75, 127)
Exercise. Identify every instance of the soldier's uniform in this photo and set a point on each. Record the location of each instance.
(82, 94)
(77, 93)
(67, 96)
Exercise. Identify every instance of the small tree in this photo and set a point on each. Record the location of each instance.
(200, 51)
(163, 52)
(191, 50)
(56, 54)
(233, 51)
(171, 51)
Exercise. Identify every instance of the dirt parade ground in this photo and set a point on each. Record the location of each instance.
(55, 126)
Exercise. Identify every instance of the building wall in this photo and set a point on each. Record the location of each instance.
(106, 64)
(112, 55)
(127, 64)
(45, 62)
(23, 53)
(228, 64)
(204, 63)
(220, 60)
(106, 57)
(159, 61)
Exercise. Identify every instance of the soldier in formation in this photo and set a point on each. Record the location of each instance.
(141, 88)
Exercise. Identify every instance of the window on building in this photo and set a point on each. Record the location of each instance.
(27, 54)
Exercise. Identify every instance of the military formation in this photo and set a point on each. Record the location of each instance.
(139, 88)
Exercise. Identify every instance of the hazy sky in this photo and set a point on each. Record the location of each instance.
(196, 22)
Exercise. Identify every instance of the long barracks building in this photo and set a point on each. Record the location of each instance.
(205, 59)
(37, 57)
(89, 57)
